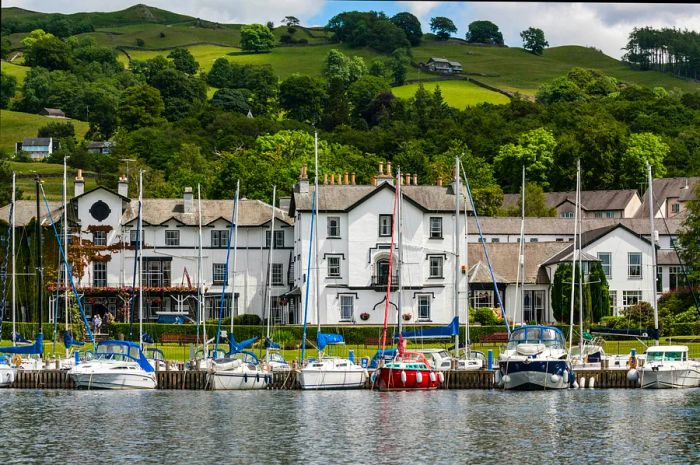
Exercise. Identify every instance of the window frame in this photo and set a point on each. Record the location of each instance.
(607, 268)
(630, 265)
(330, 227)
(424, 302)
(382, 218)
(435, 233)
(218, 269)
(169, 240)
(100, 281)
(279, 239)
(219, 238)
(278, 274)
(441, 267)
(631, 294)
(329, 273)
(344, 299)
(99, 238)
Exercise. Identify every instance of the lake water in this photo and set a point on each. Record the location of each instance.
(191, 427)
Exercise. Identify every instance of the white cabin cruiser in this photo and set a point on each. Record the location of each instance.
(332, 373)
(115, 365)
(239, 371)
(474, 360)
(535, 359)
(7, 373)
(669, 367)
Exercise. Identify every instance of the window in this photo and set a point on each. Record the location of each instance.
(634, 265)
(347, 303)
(567, 214)
(481, 299)
(99, 274)
(675, 208)
(598, 214)
(559, 239)
(279, 239)
(659, 280)
(99, 238)
(156, 273)
(435, 227)
(613, 302)
(333, 267)
(630, 298)
(218, 273)
(385, 224)
(495, 240)
(219, 238)
(610, 214)
(675, 277)
(333, 226)
(605, 261)
(424, 307)
(436, 267)
(134, 237)
(277, 274)
(172, 237)
(534, 239)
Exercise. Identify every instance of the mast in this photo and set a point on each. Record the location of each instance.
(580, 263)
(200, 294)
(235, 245)
(222, 300)
(467, 340)
(269, 261)
(399, 256)
(39, 261)
(573, 258)
(308, 277)
(14, 262)
(458, 192)
(519, 292)
(316, 284)
(65, 243)
(141, 273)
(387, 297)
(652, 238)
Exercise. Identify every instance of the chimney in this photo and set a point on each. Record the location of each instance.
(439, 181)
(332, 179)
(79, 186)
(353, 179)
(303, 181)
(188, 200)
(388, 168)
(325, 179)
(415, 179)
(347, 180)
(408, 179)
(384, 176)
(373, 180)
(123, 186)
(381, 168)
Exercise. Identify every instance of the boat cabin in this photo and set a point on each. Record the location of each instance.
(124, 351)
(548, 336)
(667, 354)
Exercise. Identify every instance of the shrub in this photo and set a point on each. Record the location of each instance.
(140, 42)
(485, 316)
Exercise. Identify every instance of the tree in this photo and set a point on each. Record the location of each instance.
(534, 150)
(410, 26)
(57, 130)
(367, 29)
(233, 100)
(49, 52)
(140, 106)
(533, 40)
(377, 68)
(688, 237)
(220, 73)
(642, 149)
(339, 67)
(535, 203)
(303, 97)
(291, 22)
(256, 38)
(184, 61)
(400, 61)
(8, 85)
(600, 293)
(442, 27)
(362, 92)
(484, 32)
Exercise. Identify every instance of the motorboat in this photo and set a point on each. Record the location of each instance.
(7, 373)
(239, 371)
(157, 360)
(535, 359)
(408, 371)
(332, 373)
(669, 367)
(115, 365)
(439, 359)
(275, 360)
(474, 360)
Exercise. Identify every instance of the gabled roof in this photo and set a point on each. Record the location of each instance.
(590, 200)
(504, 258)
(439, 60)
(341, 198)
(455, 63)
(100, 144)
(25, 212)
(103, 188)
(53, 111)
(36, 142)
(553, 226)
(665, 188)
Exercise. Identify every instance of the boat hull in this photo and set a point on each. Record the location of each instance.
(114, 380)
(310, 379)
(399, 379)
(7, 376)
(224, 381)
(534, 374)
(669, 378)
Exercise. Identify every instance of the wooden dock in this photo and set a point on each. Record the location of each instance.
(288, 380)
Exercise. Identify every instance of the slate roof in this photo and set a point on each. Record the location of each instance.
(590, 200)
(25, 212)
(504, 258)
(343, 197)
(565, 226)
(53, 112)
(100, 144)
(665, 188)
(667, 257)
(36, 142)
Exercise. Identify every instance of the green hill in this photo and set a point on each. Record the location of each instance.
(458, 94)
(16, 126)
(52, 179)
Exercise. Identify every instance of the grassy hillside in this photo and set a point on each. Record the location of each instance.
(16, 126)
(52, 179)
(172, 35)
(458, 94)
(204, 54)
(14, 70)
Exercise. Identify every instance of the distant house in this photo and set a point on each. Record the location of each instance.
(38, 148)
(443, 65)
(594, 204)
(101, 146)
(670, 197)
(52, 112)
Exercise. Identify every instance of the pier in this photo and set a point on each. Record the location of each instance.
(196, 380)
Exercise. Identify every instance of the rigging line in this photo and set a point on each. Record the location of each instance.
(225, 281)
(3, 269)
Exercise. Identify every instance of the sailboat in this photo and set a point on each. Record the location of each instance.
(120, 364)
(7, 371)
(408, 370)
(239, 369)
(535, 357)
(325, 372)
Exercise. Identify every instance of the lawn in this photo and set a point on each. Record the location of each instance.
(19, 72)
(458, 94)
(52, 179)
(16, 126)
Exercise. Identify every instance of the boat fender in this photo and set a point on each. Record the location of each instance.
(419, 378)
(441, 377)
(17, 360)
(403, 377)
(632, 374)
(591, 382)
(555, 378)
(432, 377)
(575, 385)
(633, 362)
(245, 377)
(506, 379)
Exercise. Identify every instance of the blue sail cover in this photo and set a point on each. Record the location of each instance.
(324, 339)
(234, 347)
(270, 344)
(141, 360)
(450, 330)
(650, 333)
(69, 341)
(35, 349)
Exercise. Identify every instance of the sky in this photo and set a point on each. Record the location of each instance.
(605, 26)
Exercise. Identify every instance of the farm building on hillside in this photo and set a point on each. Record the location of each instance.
(52, 112)
(101, 146)
(37, 148)
(443, 65)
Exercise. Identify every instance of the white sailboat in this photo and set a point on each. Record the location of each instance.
(120, 364)
(325, 372)
(7, 371)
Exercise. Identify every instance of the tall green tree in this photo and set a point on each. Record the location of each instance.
(184, 61)
(399, 63)
(535, 203)
(688, 237)
(257, 38)
(339, 67)
(442, 27)
(484, 32)
(533, 40)
(232, 100)
(642, 149)
(600, 292)
(140, 106)
(302, 97)
(410, 26)
(49, 52)
(8, 84)
(535, 151)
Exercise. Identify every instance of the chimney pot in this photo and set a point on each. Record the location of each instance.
(346, 179)
(325, 178)
(415, 179)
(373, 180)
(188, 201)
(439, 181)
(381, 168)
(388, 168)
(79, 184)
(353, 179)
(123, 186)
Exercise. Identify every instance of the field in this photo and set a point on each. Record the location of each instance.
(204, 54)
(19, 72)
(458, 94)
(16, 126)
(52, 179)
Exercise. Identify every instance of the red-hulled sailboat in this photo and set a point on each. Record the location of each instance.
(407, 371)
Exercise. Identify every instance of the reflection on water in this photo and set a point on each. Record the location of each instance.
(163, 427)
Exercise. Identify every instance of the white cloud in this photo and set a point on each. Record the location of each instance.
(420, 9)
